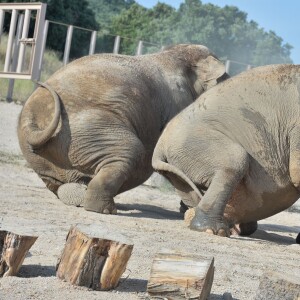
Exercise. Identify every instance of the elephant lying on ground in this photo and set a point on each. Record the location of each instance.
(97, 120)
(234, 153)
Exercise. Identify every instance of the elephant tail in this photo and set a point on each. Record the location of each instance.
(160, 164)
(36, 137)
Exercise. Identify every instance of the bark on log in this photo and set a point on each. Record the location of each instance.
(13, 249)
(177, 276)
(93, 258)
(275, 286)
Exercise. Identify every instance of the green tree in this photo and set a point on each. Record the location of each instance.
(105, 10)
(73, 12)
(138, 23)
(225, 31)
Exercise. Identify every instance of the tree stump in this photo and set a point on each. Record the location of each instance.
(176, 276)
(93, 257)
(13, 249)
(275, 286)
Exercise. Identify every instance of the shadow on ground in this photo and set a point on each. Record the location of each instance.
(131, 285)
(31, 271)
(218, 297)
(147, 211)
(268, 237)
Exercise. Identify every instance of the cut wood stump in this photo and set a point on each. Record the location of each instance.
(93, 257)
(176, 276)
(275, 286)
(13, 249)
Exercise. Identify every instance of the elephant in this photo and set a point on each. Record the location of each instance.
(234, 153)
(95, 122)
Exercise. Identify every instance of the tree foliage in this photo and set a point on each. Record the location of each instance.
(226, 31)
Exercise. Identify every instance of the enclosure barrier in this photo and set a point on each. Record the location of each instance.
(21, 14)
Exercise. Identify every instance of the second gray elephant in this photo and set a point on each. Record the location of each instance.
(97, 120)
(235, 152)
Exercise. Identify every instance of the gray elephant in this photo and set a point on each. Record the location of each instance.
(234, 153)
(96, 121)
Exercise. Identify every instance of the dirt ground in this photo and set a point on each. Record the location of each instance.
(149, 217)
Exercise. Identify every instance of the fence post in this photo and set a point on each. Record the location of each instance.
(139, 50)
(10, 41)
(93, 42)
(23, 45)
(117, 44)
(2, 15)
(43, 46)
(68, 45)
(13, 68)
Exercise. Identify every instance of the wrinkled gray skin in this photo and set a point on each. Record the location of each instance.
(97, 120)
(235, 152)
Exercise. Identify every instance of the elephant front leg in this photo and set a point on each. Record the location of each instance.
(209, 213)
(103, 188)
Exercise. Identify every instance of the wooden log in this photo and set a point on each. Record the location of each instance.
(275, 286)
(13, 249)
(93, 257)
(176, 276)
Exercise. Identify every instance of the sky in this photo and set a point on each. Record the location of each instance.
(280, 16)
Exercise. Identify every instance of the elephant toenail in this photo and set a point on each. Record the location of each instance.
(106, 211)
(209, 231)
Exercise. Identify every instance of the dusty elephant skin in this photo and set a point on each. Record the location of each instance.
(237, 148)
(97, 120)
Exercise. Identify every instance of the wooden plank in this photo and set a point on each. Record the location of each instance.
(93, 257)
(176, 275)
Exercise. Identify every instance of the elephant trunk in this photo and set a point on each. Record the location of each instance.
(36, 137)
(160, 165)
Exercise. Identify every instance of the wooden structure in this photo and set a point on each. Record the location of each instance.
(93, 257)
(176, 276)
(13, 249)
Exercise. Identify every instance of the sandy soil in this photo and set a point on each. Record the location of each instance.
(149, 217)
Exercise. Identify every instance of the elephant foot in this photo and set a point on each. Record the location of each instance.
(100, 206)
(212, 225)
(72, 193)
(244, 229)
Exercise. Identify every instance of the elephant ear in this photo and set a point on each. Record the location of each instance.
(208, 71)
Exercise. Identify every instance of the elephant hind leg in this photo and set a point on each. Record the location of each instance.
(210, 210)
(104, 187)
(115, 175)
